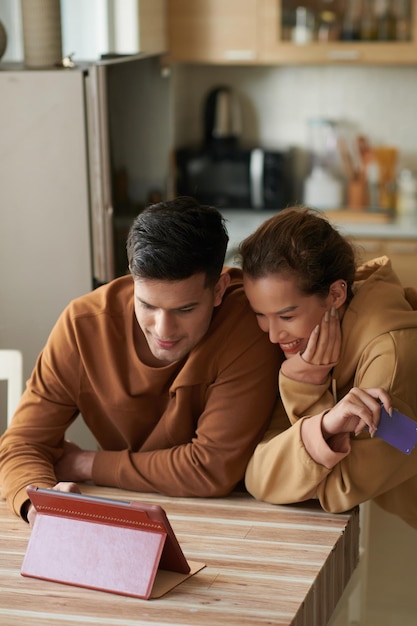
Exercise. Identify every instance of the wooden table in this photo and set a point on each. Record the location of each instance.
(266, 564)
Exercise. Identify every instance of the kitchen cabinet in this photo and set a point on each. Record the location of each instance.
(402, 252)
(213, 31)
(250, 32)
(273, 48)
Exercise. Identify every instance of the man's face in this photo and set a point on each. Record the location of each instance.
(175, 315)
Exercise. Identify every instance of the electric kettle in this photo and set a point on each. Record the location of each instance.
(222, 119)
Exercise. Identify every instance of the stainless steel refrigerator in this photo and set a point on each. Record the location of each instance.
(82, 150)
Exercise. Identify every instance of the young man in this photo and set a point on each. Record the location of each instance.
(167, 367)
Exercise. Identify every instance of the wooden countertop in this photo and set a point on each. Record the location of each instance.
(265, 564)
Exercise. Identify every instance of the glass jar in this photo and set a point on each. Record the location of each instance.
(323, 188)
(407, 195)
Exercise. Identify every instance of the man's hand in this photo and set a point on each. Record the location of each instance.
(358, 409)
(75, 464)
(324, 344)
(31, 512)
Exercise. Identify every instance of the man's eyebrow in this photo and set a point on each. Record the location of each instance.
(188, 305)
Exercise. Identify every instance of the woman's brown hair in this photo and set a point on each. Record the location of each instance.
(301, 243)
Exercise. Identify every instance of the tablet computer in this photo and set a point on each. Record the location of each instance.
(133, 514)
(118, 546)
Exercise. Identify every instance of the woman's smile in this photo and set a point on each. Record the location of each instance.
(292, 347)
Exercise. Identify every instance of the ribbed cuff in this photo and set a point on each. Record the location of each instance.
(317, 447)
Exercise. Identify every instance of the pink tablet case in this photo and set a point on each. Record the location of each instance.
(103, 544)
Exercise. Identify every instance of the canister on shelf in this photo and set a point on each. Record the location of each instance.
(385, 21)
(368, 21)
(407, 194)
(303, 30)
(386, 159)
(351, 23)
(402, 12)
(323, 188)
(42, 38)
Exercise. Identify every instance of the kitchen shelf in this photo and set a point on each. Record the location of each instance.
(273, 49)
(249, 32)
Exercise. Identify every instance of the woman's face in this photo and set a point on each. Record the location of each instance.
(282, 311)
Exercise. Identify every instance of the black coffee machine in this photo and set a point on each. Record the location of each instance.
(223, 173)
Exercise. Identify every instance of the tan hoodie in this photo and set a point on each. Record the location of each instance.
(379, 349)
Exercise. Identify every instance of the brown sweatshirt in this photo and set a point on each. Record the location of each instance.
(186, 429)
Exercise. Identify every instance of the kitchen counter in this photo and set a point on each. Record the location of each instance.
(242, 222)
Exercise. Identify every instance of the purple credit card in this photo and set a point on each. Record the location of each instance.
(399, 430)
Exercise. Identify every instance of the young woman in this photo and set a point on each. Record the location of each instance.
(349, 336)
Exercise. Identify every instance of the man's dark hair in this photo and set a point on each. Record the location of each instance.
(176, 239)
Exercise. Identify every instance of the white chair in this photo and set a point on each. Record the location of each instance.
(11, 370)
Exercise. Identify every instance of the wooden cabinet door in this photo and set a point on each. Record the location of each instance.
(213, 31)
(401, 252)
(152, 26)
(403, 255)
(273, 48)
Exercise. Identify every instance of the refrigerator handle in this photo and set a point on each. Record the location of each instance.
(98, 149)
